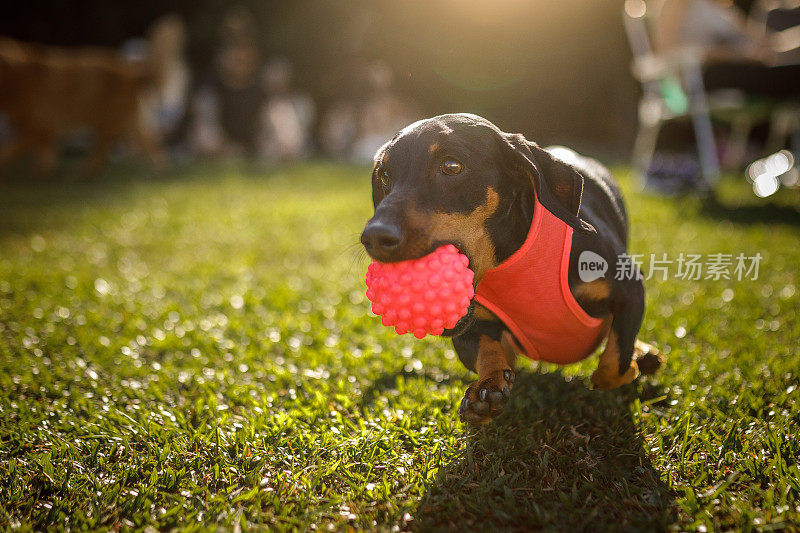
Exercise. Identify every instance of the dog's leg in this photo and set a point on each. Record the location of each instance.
(493, 360)
(148, 141)
(48, 155)
(98, 154)
(11, 152)
(624, 357)
(616, 366)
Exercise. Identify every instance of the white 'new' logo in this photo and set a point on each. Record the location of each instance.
(591, 266)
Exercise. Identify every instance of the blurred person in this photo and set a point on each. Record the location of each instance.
(733, 56)
(162, 52)
(354, 130)
(383, 114)
(227, 106)
(287, 116)
(165, 103)
(49, 92)
(338, 129)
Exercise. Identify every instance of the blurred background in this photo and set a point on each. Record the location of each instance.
(556, 70)
(197, 341)
(276, 81)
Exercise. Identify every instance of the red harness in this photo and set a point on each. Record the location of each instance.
(530, 294)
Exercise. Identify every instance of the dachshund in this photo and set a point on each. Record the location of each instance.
(543, 230)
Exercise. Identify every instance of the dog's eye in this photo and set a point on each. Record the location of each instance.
(384, 178)
(451, 167)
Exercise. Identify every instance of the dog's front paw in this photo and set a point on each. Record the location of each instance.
(486, 398)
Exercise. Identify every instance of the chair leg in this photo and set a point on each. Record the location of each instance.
(707, 149)
(784, 124)
(741, 128)
(778, 130)
(703, 130)
(643, 149)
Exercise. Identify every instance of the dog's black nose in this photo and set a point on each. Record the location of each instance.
(381, 239)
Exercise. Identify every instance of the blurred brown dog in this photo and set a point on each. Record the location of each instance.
(46, 92)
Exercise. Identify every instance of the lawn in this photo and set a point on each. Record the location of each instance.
(195, 350)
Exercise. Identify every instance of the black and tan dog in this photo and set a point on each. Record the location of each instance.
(458, 179)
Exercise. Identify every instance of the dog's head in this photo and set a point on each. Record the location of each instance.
(458, 179)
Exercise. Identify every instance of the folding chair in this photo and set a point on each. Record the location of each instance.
(778, 23)
(672, 88)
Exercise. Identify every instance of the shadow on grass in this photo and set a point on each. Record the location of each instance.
(560, 457)
(28, 204)
(24, 198)
(749, 213)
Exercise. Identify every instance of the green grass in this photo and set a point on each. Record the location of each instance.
(195, 351)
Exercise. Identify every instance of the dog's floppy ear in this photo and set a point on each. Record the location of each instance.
(377, 160)
(559, 187)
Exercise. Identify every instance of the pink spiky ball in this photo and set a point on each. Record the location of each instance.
(422, 296)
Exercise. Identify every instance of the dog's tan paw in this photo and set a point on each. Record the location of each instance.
(646, 360)
(486, 398)
(607, 377)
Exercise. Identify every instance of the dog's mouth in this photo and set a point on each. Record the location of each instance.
(415, 252)
(463, 324)
(460, 247)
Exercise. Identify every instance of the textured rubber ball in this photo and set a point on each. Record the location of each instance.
(422, 296)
